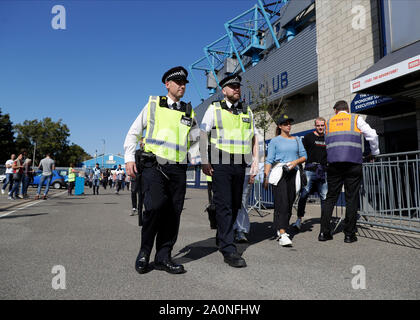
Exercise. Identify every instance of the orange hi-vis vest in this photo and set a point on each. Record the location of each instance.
(343, 139)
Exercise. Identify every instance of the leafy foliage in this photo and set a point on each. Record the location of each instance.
(7, 139)
(49, 137)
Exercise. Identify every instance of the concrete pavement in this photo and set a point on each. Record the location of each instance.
(93, 241)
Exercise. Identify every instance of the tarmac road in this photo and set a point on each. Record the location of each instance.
(94, 242)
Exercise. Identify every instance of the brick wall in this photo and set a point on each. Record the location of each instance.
(344, 50)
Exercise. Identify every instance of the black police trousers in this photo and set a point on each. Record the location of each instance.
(228, 181)
(349, 174)
(163, 204)
(137, 198)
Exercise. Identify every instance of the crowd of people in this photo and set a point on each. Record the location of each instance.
(19, 175)
(114, 179)
(324, 160)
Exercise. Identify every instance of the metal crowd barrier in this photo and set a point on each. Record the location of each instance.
(260, 199)
(390, 192)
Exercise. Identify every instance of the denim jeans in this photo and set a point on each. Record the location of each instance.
(15, 188)
(25, 184)
(320, 185)
(8, 181)
(41, 182)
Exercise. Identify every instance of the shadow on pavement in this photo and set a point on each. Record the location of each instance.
(23, 215)
(196, 250)
(398, 239)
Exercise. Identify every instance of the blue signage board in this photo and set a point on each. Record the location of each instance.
(363, 102)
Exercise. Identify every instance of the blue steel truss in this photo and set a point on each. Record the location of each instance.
(243, 38)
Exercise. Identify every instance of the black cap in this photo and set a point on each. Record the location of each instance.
(283, 118)
(176, 73)
(232, 79)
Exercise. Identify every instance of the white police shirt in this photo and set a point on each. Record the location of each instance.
(140, 124)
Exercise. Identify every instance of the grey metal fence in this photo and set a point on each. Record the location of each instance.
(390, 193)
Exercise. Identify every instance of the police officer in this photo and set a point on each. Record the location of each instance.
(230, 125)
(344, 156)
(170, 127)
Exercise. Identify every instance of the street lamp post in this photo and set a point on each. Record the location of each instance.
(103, 154)
(33, 161)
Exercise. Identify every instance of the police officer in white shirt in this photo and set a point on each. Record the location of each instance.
(163, 182)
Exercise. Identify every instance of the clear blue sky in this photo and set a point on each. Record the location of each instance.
(98, 73)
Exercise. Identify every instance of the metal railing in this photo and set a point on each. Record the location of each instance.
(390, 192)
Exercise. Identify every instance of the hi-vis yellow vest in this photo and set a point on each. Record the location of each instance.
(167, 131)
(234, 132)
(71, 175)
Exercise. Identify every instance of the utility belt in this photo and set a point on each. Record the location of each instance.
(149, 160)
(145, 160)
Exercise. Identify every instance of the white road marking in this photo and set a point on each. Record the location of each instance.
(30, 204)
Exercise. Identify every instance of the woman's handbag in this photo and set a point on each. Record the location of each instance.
(17, 176)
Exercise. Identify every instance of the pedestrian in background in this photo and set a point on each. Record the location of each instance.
(47, 165)
(27, 177)
(242, 224)
(9, 174)
(119, 175)
(105, 176)
(315, 168)
(343, 139)
(71, 179)
(286, 153)
(17, 176)
(96, 178)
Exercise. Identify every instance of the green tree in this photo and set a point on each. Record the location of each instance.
(75, 154)
(265, 112)
(49, 137)
(7, 139)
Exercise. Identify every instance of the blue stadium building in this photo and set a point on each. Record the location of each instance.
(107, 161)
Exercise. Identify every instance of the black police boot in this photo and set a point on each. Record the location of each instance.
(349, 238)
(170, 267)
(325, 236)
(234, 260)
(142, 262)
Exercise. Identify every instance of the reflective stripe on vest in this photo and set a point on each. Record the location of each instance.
(343, 139)
(233, 132)
(166, 134)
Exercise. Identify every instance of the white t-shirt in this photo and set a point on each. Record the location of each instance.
(9, 162)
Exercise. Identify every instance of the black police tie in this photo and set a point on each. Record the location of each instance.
(174, 106)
